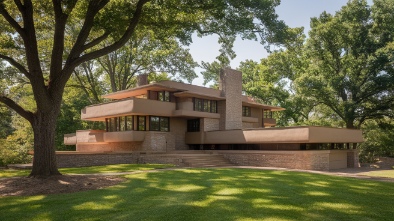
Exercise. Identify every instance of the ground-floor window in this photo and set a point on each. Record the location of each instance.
(193, 125)
(159, 123)
(123, 123)
(141, 123)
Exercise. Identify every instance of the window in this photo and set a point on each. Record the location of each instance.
(154, 123)
(160, 95)
(129, 123)
(119, 123)
(159, 123)
(267, 114)
(141, 123)
(122, 124)
(205, 105)
(164, 124)
(246, 111)
(193, 125)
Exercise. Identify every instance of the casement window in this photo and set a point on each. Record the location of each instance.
(119, 123)
(267, 114)
(193, 125)
(160, 95)
(159, 123)
(141, 123)
(246, 111)
(204, 105)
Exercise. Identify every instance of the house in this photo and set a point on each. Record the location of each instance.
(171, 117)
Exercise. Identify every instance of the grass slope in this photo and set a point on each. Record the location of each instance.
(215, 194)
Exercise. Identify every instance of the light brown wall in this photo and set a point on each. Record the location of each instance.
(178, 129)
(109, 147)
(184, 103)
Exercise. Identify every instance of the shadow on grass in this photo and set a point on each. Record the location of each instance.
(214, 194)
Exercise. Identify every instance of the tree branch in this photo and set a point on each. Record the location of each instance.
(14, 106)
(96, 41)
(16, 64)
(11, 20)
(118, 44)
(93, 8)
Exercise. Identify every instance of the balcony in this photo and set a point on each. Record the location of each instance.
(102, 137)
(135, 106)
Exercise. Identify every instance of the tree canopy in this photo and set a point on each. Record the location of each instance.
(44, 41)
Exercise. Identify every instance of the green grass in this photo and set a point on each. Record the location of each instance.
(89, 170)
(380, 173)
(215, 194)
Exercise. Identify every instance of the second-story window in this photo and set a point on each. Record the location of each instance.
(204, 105)
(246, 112)
(160, 95)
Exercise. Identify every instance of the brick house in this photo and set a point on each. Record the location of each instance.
(166, 118)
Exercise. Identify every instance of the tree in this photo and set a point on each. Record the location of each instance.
(350, 57)
(40, 40)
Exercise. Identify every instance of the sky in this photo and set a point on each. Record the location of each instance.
(295, 13)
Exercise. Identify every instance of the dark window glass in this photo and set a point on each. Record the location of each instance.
(214, 108)
(245, 111)
(129, 123)
(205, 105)
(122, 124)
(193, 125)
(159, 123)
(141, 123)
(154, 123)
(164, 124)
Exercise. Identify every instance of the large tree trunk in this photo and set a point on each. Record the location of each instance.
(44, 127)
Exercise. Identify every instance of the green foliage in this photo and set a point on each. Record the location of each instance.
(379, 140)
(69, 120)
(215, 194)
(5, 122)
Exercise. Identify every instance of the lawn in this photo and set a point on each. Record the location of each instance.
(380, 173)
(118, 168)
(215, 194)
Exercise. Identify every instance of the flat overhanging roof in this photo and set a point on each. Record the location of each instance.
(308, 134)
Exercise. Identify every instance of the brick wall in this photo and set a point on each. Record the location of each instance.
(210, 124)
(230, 84)
(82, 159)
(306, 160)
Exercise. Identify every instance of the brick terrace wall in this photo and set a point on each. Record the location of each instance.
(306, 160)
(73, 159)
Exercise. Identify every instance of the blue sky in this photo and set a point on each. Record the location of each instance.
(295, 13)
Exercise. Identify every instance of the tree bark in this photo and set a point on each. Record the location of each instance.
(44, 161)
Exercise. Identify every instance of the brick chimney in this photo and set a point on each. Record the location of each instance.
(142, 79)
(230, 84)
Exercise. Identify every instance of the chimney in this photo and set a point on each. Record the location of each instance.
(142, 79)
(230, 84)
